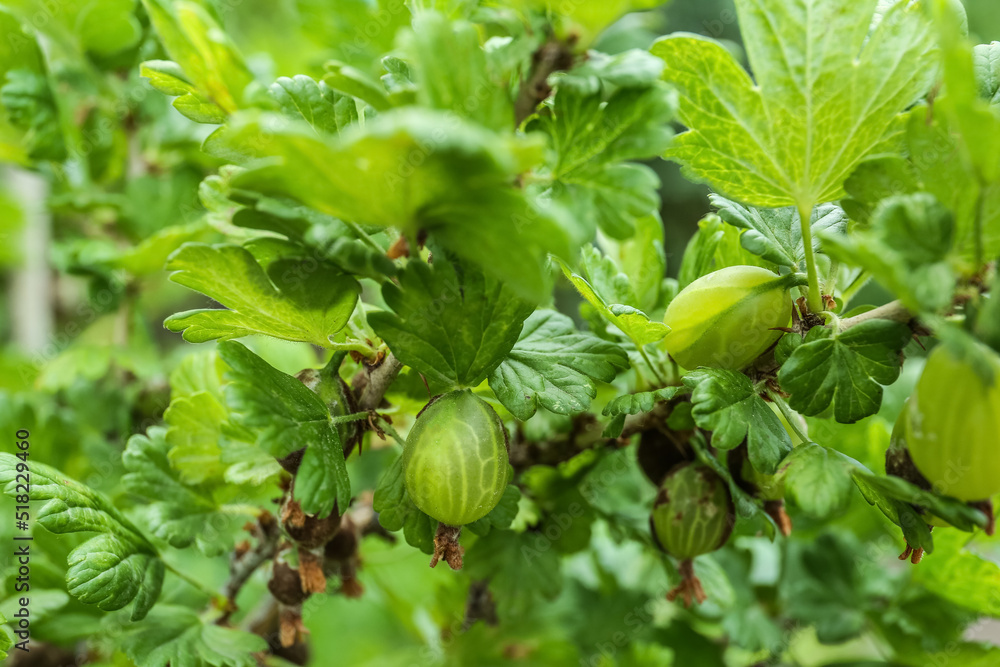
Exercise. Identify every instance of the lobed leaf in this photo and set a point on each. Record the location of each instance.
(555, 366)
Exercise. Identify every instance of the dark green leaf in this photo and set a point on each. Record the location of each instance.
(726, 404)
(451, 322)
(554, 365)
(178, 637)
(287, 416)
(845, 369)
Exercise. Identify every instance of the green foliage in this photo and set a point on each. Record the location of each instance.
(387, 201)
(554, 366)
(428, 329)
(845, 369)
(277, 293)
(792, 135)
(110, 570)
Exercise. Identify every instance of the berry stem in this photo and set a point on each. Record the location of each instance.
(814, 298)
(791, 417)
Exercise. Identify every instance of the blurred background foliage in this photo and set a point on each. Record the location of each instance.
(118, 166)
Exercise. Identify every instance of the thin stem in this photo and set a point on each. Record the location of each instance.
(353, 417)
(814, 298)
(360, 233)
(197, 585)
(831, 280)
(790, 417)
(894, 311)
(387, 427)
(980, 211)
(652, 368)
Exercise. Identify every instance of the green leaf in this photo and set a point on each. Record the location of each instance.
(791, 136)
(294, 299)
(644, 401)
(955, 512)
(287, 417)
(451, 322)
(178, 637)
(449, 68)
(906, 248)
(302, 98)
(400, 170)
(961, 576)
(150, 255)
(204, 54)
(179, 513)
(775, 234)
(500, 516)
(194, 434)
(554, 365)
(818, 479)
(110, 570)
(825, 584)
(168, 78)
(518, 570)
(592, 133)
(915, 530)
(30, 105)
(715, 245)
(631, 321)
(397, 512)
(986, 61)
(643, 260)
(845, 369)
(726, 404)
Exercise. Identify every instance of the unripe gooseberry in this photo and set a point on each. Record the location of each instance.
(693, 513)
(726, 319)
(952, 426)
(455, 460)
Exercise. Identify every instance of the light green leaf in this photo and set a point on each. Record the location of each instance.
(644, 401)
(451, 322)
(302, 98)
(178, 637)
(775, 234)
(208, 60)
(726, 404)
(715, 245)
(643, 260)
(592, 134)
(179, 512)
(449, 68)
(792, 135)
(554, 365)
(906, 248)
(818, 479)
(295, 299)
(958, 514)
(399, 170)
(168, 78)
(845, 369)
(111, 572)
(631, 321)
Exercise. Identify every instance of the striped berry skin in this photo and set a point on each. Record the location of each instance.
(455, 460)
(693, 513)
(952, 422)
(726, 318)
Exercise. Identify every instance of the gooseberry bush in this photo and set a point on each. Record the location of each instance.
(346, 288)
